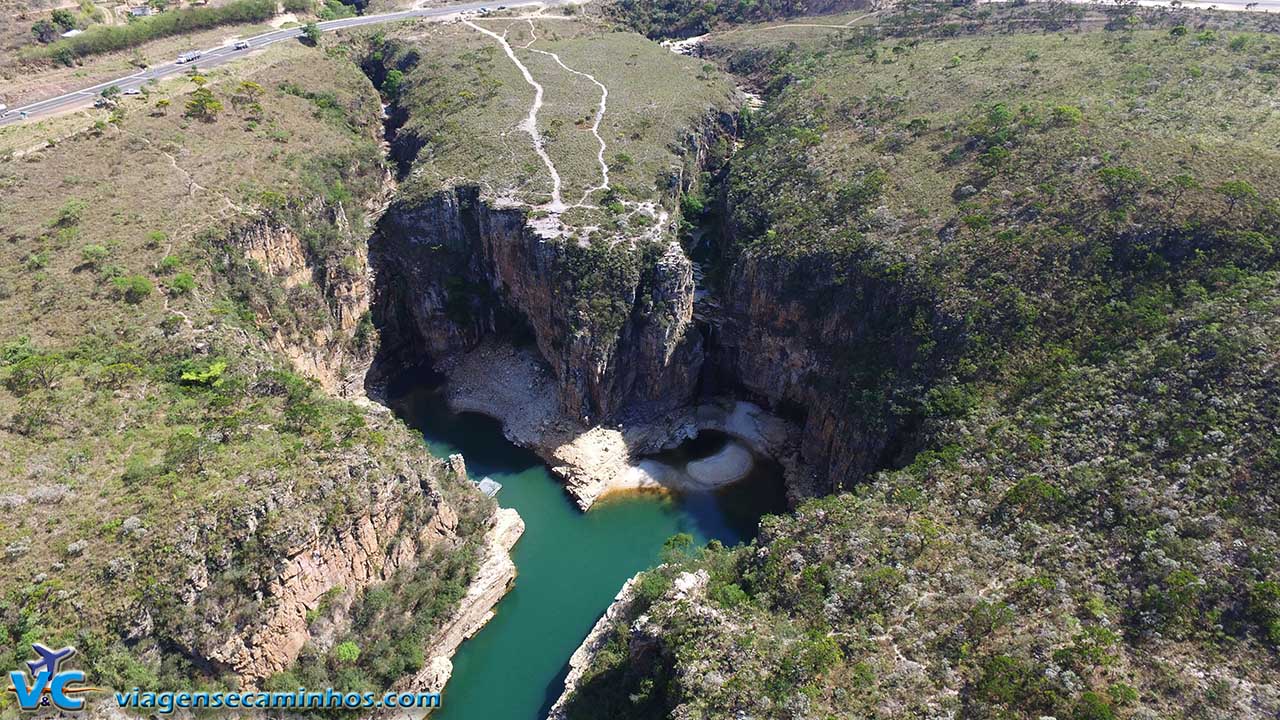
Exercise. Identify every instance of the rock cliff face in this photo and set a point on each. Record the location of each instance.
(261, 629)
(328, 293)
(456, 269)
(591, 646)
(493, 579)
(804, 341)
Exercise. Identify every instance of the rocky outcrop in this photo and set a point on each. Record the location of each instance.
(644, 637)
(308, 558)
(328, 294)
(369, 551)
(492, 580)
(807, 343)
(459, 269)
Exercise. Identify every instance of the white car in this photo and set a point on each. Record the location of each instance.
(242, 45)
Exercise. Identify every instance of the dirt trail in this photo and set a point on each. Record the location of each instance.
(595, 126)
(530, 123)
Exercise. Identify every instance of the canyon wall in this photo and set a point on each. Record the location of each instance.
(830, 349)
(256, 625)
(455, 269)
(833, 351)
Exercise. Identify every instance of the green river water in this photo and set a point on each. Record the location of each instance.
(570, 564)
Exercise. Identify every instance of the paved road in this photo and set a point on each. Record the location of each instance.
(214, 57)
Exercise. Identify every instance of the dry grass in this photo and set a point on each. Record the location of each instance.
(656, 99)
(153, 197)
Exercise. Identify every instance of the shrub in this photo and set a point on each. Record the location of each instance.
(730, 596)
(44, 31)
(182, 284)
(393, 83)
(133, 288)
(1067, 115)
(70, 212)
(63, 19)
(1092, 706)
(346, 652)
(311, 34)
(93, 255)
(206, 376)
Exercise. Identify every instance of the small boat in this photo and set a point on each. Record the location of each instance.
(489, 486)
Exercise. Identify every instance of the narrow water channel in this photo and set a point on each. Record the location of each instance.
(569, 564)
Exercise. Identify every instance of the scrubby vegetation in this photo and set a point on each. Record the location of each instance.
(161, 456)
(1061, 252)
(685, 18)
(459, 100)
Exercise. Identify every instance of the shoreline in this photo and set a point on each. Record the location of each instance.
(512, 386)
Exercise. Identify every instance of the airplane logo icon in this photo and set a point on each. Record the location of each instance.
(50, 660)
(49, 685)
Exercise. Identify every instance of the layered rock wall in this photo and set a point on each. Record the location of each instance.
(459, 269)
(402, 517)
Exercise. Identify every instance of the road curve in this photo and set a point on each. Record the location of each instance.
(213, 57)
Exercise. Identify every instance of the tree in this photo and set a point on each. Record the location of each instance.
(1235, 191)
(247, 95)
(311, 34)
(33, 373)
(203, 105)
(162, 107)
(1181, 184)
(393, 84)
(63, 19)
(44, 32)
(1123, 183)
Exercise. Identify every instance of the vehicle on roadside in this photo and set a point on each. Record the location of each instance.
(187, 57)
(132, 91)
(242, 45)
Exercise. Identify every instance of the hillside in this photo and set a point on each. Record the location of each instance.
(183, 301)
(1029, 281)
(546, 207)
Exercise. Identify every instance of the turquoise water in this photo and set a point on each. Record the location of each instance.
(569, 564)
